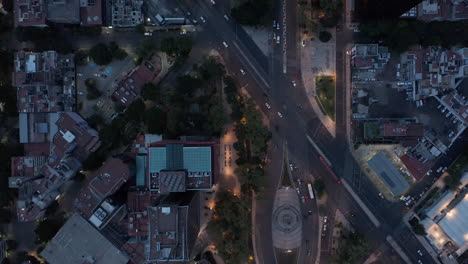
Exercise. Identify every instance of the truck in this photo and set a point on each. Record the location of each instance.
(311, 191)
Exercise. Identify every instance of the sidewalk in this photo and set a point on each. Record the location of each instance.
(318, 59)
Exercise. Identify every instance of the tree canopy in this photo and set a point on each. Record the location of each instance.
(151, 91)
(101, 54)
(325, 36)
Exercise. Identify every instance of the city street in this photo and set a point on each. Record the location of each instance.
(267, 82)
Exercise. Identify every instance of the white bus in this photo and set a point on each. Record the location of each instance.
(311, 192)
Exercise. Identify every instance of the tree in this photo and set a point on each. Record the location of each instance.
(92, 91)
(418, 229)
(179, 47)
(81, 57)
(319, 187)
(253, 12)
(101, 54)
(95, 121)
(325, 36)
(145, 49)
(46, 229)
(210, 69)
(151, 91)
(94, 161)
(155, 120)
(140, 28)
(135, 111)
(116, 51)
(352, 247)
(5, 215)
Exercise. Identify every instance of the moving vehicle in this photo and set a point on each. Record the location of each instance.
(280, 115)
(213, 2)
(225, 44)
(327, 165)
(311, 191)
(226, 17)
(267, 105)
(242, 71)
(203, 19)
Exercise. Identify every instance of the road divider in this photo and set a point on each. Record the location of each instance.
(319, 150)
(251, 65)
(361, 204)
(398, 249)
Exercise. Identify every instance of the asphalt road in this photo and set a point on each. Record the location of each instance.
(266, 81)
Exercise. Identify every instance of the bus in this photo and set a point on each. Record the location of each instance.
(311, 192)
(327, 165)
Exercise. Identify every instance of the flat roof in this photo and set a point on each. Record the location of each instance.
(388, 174)
(78, 242)
(455, 222)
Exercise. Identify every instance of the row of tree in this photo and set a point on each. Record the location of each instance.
(231, 218)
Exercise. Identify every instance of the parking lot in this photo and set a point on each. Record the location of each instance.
(106, 78)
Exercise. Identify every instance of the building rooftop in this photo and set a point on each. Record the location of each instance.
(71, 145)
(416, 167)
(78, 242)
(129, 89)
(91, 12)
(403, 130)
(29, 13)
(126, 13)
(45, 81)
(63, 11)
(455, 222)
(388, 174)
(104, 182)
(37, 127)
(196, 162)
(168, 232)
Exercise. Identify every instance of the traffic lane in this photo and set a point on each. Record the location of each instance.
(211, 12)
(264, 207)
(215, 22)
(404, 236)
(292, 39)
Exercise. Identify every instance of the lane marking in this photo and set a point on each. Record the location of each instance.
(366, 210)
(251, 65)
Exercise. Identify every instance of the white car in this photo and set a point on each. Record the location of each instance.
(203, 19)
(291, 167)
(79, 74)
(294, 83)
(277, 26)
(420, 253)
(278, 39)
(80, 93)
(267, 105)
(280, 115)
(303, 43)
(225, 44)
(226, 17)
(242, 71)
(274, 23)
(213, 2)
(325, 218)
(298, 191)
(381, 195)
(97, 74)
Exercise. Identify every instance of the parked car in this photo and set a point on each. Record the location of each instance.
(242, 71)
(213, 2)
(225, 44)
(226, 17)
(267, 105)
(280, 115)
